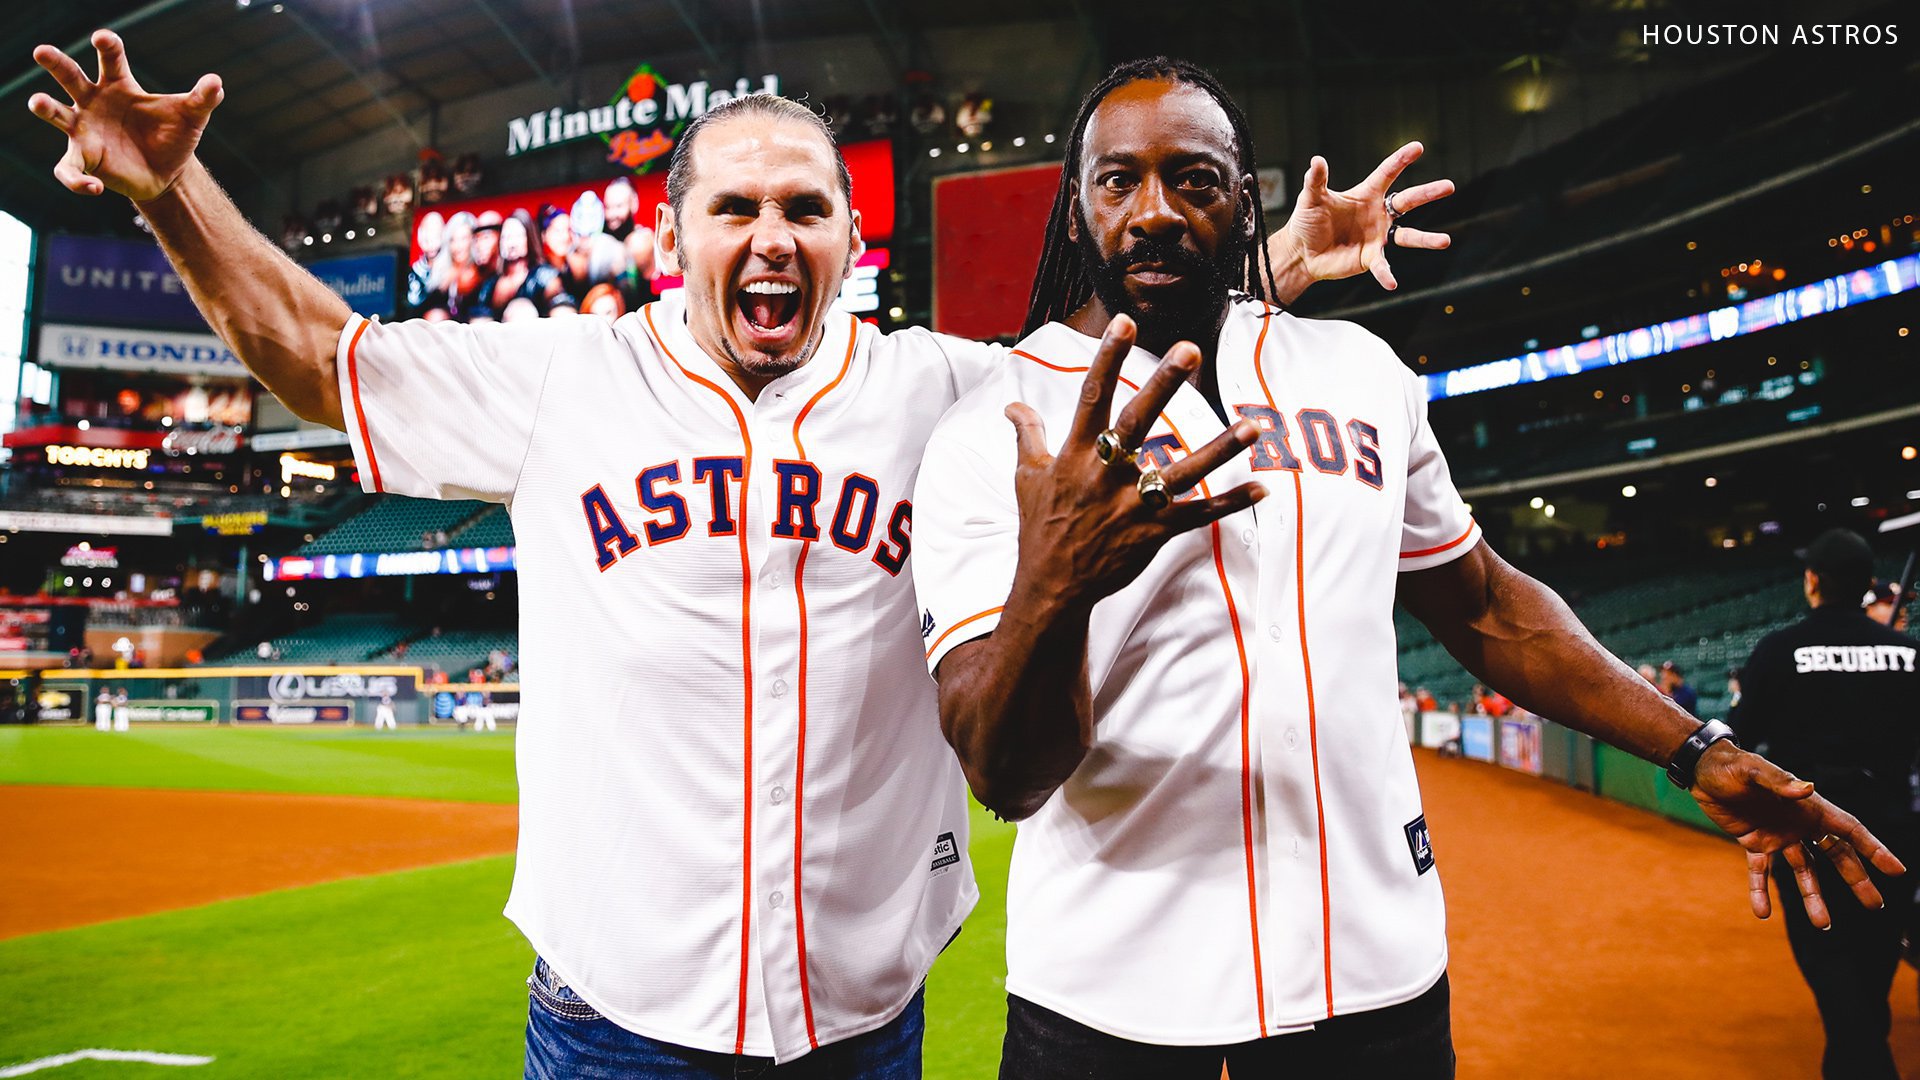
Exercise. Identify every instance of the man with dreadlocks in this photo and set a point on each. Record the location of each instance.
(1187, 694)
(705, 673)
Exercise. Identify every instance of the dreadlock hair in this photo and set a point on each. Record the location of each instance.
(1063, 282)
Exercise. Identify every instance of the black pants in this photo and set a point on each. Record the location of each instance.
(1411, 1041)
(1849, 968)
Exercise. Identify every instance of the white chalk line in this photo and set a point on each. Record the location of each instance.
(145, 1057)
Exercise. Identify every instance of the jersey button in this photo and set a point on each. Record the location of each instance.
(1293, 739)
(1246, 537)
(778, 794)
(778, 899)
(1274, 631)
(779, 688)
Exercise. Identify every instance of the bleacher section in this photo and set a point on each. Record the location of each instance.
(455, 651)
(1706, 620)
(338, 639)
(395, 523)
(492, 528)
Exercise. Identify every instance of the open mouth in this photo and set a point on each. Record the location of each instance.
(770, 310)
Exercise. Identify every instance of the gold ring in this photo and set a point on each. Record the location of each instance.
(1153, 488)
(1106, 446)
(1827, 843)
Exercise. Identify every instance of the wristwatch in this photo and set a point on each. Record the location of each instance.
(1687, 758)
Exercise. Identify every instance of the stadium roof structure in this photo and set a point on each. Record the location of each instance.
(309, 76)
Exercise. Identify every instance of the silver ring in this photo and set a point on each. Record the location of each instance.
(1392, 210)
(1153, 488)
(1107, 447)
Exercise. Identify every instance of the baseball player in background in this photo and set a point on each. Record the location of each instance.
(122, 712)
(725, 707)
(103, 711)
(383, 714)
(1161, 621)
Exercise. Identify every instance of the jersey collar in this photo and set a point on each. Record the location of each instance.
(669, 321)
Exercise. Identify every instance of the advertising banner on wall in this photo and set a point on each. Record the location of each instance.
(70, 345)
(107, 280)
(1520, 744)
(987, 232)
(584, 247)
(368, 283)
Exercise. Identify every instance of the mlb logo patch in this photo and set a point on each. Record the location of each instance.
(926, 624)
(1420, 844)
(945, 852)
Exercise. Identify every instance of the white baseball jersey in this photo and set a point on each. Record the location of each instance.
(740, 827)
(1243, 852)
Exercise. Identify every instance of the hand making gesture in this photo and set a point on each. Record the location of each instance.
(1337, 234)
(119, 136)
(1770, 813)
(1094, 516)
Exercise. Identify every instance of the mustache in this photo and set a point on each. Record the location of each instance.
(1172, 257)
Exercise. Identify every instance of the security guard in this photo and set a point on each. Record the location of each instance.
(1835, 698)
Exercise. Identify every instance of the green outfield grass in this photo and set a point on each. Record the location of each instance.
(412, 974)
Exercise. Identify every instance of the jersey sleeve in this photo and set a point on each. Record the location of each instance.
(970, 362)
(442, 410)
(1437, 527)
(966, 535)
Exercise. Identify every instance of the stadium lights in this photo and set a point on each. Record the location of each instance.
(1049, 138)
(1859, 501)
(1019, 141)
(370, 230)
(1913, 494)
(986, 145)
(1629, 491)
(960, 149)
(307, 240)
(349, 234)
(1548, 510)
(1537, 502)
(1713, 481)
(933, 151)
(1907, 453)
(326, 238)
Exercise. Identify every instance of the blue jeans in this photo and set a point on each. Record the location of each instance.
(568, 1040)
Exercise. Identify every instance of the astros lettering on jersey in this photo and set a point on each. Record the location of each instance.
(739, 822)
(1243, 851)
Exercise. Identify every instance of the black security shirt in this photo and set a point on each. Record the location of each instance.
(1835, 699)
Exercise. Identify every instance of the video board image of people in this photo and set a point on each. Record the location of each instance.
(559, 251)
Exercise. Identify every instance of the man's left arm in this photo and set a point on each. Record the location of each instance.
(1519, 637)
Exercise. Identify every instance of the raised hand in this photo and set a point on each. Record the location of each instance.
(1773, 814)
(120, 137)
(1337, 234)
(1085, 528)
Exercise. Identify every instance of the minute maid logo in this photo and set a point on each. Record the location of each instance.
(641, 122)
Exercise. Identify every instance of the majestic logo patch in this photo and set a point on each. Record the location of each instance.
(945, 852)
(926, 625)
(1420, 844)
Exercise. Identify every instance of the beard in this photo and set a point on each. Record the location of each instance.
(1190, 311)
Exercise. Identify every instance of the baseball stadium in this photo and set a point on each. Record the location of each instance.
(409, 669)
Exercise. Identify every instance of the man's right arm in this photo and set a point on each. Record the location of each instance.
(280, 320)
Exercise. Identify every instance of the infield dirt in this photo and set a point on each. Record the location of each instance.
(80, 855)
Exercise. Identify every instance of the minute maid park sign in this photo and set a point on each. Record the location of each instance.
(640, 124)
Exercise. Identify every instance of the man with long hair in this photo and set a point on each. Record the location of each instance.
(742, 838)
(1184, 689)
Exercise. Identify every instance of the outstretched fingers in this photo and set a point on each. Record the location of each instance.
(1808, 884)
(1420, 238)
(1861, 839)
(1096, 392)
(1195, 467)
(1420, 195)
(1192, 514)
(205, 96)
(1383, 269)
(1757, 895)
(1313, 190)
(1029, 435)
(1842, 856)
(64, 117)
(113, 56)
(1385, 173)
(65, 72)
(72, 174)
(1137, 417)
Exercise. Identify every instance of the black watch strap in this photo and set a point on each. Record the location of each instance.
(1687, 758)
